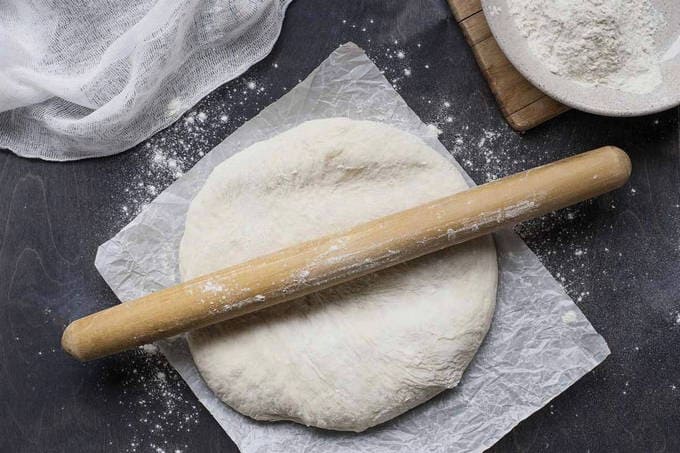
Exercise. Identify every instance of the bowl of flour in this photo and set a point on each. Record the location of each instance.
(609, 57)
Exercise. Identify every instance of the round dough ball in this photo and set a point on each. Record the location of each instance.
(355, 355)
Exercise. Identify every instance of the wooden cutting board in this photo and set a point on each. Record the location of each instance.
(523, 105)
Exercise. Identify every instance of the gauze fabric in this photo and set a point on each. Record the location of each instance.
(92, 78)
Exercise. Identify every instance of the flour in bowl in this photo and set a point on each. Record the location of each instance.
(594, 42)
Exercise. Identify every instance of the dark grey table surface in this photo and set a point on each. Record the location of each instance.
(617, 256)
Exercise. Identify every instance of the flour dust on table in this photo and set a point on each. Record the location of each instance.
(358, 354)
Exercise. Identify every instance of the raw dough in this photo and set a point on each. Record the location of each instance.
(359, 354)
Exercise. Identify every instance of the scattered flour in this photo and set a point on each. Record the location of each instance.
(569, 317)
(159, 404)
(212, 287)
(150, 349)
(434, 129)
(595, 42)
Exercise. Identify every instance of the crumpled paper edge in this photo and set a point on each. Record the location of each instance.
(539, 344)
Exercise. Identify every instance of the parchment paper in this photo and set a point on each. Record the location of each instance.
(539, 344)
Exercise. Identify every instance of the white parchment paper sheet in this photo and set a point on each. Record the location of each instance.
(539, 344)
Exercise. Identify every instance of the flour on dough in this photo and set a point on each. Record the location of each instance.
(356, 355)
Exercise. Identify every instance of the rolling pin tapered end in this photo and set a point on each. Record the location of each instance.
(622, 160)
(69, 342)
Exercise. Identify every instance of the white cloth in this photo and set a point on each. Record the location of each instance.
(92, 78)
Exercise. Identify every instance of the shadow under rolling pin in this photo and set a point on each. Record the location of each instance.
(327, 261)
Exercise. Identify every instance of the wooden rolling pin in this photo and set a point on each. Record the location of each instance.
(320, 263)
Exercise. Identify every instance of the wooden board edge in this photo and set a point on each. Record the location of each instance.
(536, 113)
(462, 9)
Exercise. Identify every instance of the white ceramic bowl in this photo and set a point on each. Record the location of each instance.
(600, 100)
